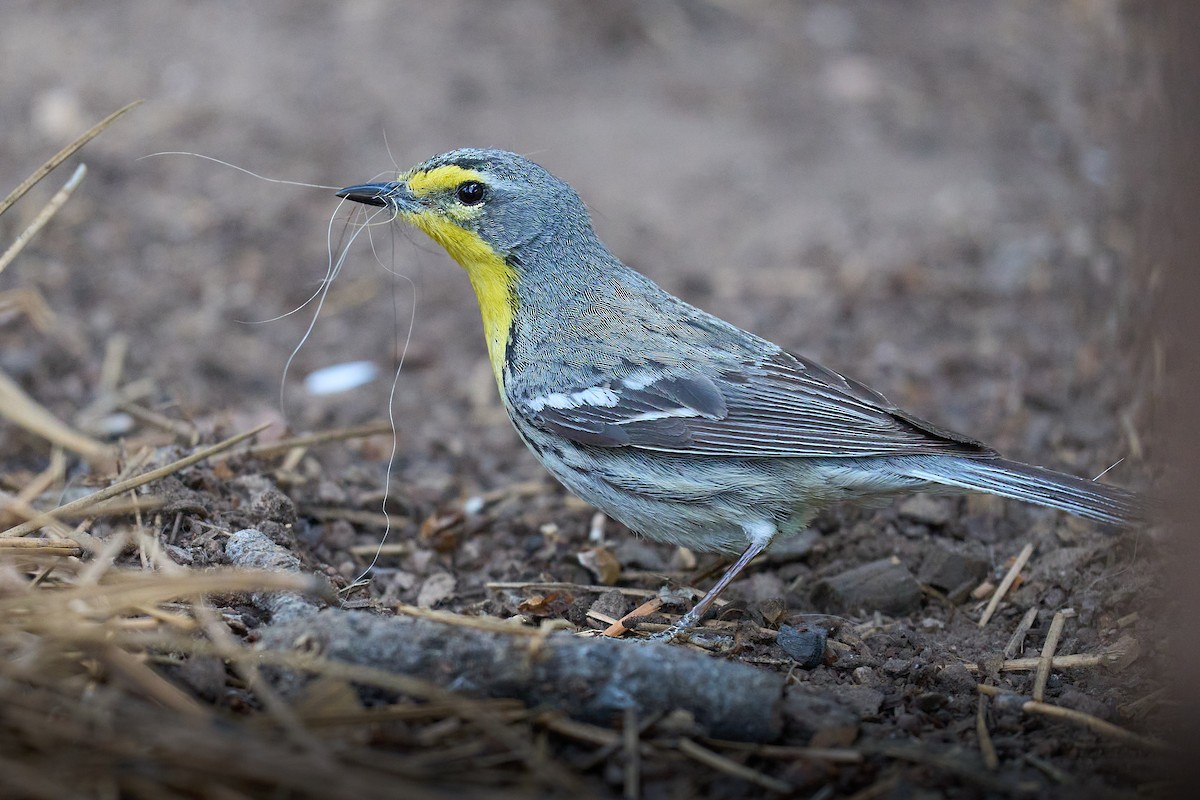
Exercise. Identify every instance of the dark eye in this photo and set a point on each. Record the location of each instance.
(470, 193)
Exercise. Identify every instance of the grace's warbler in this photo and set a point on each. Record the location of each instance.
(683, 427)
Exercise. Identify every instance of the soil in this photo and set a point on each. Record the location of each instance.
(939, 200)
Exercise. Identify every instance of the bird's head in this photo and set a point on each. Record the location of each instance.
(478, 203)
(499, 215)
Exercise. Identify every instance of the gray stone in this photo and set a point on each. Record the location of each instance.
(884, 585)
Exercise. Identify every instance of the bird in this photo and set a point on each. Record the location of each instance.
(683, 427)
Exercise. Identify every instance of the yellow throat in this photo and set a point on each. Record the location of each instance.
(492, 278)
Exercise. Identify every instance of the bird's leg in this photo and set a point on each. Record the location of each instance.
(691, 618)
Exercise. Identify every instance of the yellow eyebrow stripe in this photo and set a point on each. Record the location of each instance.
(439, 179)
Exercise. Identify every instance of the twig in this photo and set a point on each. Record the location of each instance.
(576, 587)
(619, 627)
(1054, 773)
(1006, 584)
(45, 547)
(131, 483)
(1111, 658)
(579, 731)
(986, 748)
(178, 428)
(62, 155)
(142, 589)
(51, 475)
(31, 415)
(1047, 657)
(948, 761)
(1092, 723)
(491, 624)
(373, 519)
(45, 215)
(834, 755)
(722, 764)
(1017, 642)
(307, 440)
(136, 675)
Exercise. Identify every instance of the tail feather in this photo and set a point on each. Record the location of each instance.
(1037, 485)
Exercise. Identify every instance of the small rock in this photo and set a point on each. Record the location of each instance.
(265, 500)
(812, 715)
(611, 604)
(1072, 698)
(806, 645)
(762, 586)
(1065, 564)
(437, 587)
(948, 570)
(864, 676)
(955, 679)
(636, 552)
(601, 563)
(931, 701)
(884, 585)
(933, 511)
(863, 700)
(792, 548)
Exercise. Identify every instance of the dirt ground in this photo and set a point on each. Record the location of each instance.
(937, 199)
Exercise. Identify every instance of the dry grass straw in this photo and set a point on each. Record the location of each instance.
(17, 406)
(82, 693)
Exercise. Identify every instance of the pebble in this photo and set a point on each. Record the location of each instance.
(933, 511)
(437, 587)
(948, 570)
(885, 585)
(806, 645)
(813, 716)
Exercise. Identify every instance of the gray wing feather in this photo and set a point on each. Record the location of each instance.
(776, 407)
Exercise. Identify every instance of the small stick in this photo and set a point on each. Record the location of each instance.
(1047, 657)
(61, 156)
(48, 547)
(1073, 661)
(135, 674)
(370, 519)
(45, 215)
(730, 767)
(619, 628)
(491, 624)
(578, 587)
(31, 415)
(309, 439)
(181, 430)
(132, 483)
(53, 473)
(579, 731)
(1092, 723)
(835, 755)
(1006, 584)
(1017, 642)
(990, 759)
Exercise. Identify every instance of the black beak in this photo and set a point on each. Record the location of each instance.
(372, 194)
